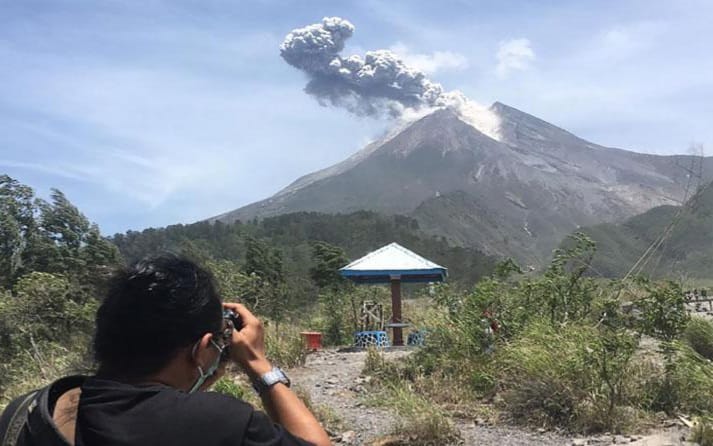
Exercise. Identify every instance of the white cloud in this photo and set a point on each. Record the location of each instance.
(626, 40)
(512, 55)
(430, 63)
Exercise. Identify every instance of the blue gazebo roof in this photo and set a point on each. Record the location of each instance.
(391, 262)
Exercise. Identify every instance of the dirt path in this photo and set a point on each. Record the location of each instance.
(333, 380)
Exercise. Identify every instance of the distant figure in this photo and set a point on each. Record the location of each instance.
(162, 337)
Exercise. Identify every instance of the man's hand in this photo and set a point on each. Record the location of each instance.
(247, 348)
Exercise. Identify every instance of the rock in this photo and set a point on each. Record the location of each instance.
(579, 442)
(348, 437)
(358, 389)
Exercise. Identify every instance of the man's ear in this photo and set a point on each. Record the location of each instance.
(199, 352)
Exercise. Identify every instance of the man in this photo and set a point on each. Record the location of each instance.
(161, 338)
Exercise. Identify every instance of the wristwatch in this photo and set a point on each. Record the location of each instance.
(269, 379)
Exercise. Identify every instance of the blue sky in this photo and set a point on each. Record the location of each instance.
(149, 113)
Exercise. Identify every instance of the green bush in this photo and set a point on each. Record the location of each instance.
(571, 376)
(543, 374)
(699, 335)
(45, 327)
(228, 386)
(692, 380)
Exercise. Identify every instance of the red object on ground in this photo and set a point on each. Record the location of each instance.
(313, 340)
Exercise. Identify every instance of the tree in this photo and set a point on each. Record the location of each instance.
(327, 260)
(17, 227)
(67, 228)
(335, 294)
(265, 263)
(233, 284)
(263, 260)
(53, 237)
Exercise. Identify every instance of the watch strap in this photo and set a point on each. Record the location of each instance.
(269, 379)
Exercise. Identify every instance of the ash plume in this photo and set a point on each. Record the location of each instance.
(379, 84)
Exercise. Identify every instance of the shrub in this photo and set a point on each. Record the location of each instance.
(683, 385)
(568, 376)
(699, 335)
(228, 386)
(692, 381)
(664, 314)
(43, 332)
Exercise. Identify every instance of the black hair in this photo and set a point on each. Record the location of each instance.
(152, 309)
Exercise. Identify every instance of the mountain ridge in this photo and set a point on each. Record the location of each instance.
(685, 251)
(536, 183)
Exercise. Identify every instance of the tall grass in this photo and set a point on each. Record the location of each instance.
(420, 422)
(284, 346)
(569, 376)
(699, 335)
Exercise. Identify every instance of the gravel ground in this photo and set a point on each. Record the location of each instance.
(333, 379)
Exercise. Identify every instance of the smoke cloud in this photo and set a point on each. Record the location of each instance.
(380, 84)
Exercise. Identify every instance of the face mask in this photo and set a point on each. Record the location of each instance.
(204, 375)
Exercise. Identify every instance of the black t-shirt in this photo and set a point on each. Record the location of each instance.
(118, 414)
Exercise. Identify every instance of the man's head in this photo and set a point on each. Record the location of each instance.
(159, 311)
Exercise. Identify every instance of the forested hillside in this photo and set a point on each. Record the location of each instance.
(680, 238)
(290, 240)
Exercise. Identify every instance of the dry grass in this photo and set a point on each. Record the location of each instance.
(702, 431)
(421, 420)
(325, 414)
(699, 335)
(285, 346)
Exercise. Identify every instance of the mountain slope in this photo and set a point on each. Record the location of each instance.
(686, 251)
(516, 196)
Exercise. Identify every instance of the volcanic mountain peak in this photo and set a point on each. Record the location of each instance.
(516, 191)
(443, 130)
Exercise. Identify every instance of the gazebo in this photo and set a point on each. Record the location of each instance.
(394, 264)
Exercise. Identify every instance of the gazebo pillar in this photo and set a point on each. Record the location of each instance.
(396, 310)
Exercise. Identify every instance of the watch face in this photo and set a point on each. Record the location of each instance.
(274, 376)
(271, 378)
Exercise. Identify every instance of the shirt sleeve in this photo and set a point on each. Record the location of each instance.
(261, 431)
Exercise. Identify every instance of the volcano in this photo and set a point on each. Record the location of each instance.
(514, 194)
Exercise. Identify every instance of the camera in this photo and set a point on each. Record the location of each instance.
(233, 318)
(232, 322)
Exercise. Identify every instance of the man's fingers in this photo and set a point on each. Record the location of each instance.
(245, 314)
